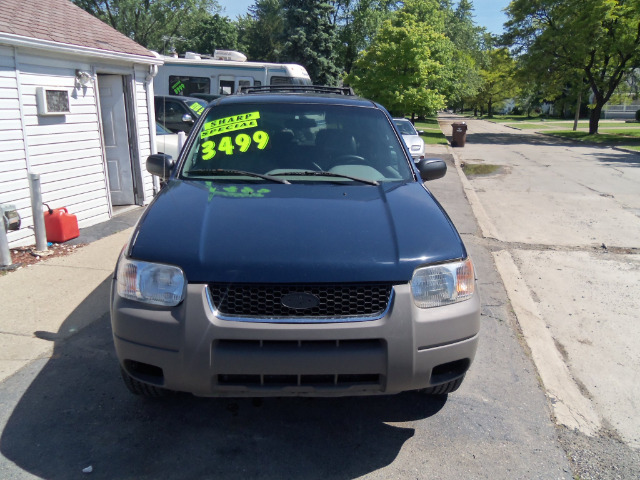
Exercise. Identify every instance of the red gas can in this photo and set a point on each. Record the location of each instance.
(60, 225)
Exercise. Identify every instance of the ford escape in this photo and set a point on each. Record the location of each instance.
(294, 250)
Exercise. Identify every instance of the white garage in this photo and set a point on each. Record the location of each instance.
(76, 103)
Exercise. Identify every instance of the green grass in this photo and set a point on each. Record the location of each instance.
(529, 126)
(611, 133)
(434, 138)
(479, 168)
(431, 121)
(432, 134)
(622, 138)
(511, 118)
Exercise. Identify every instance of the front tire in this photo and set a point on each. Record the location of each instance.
(445, 388)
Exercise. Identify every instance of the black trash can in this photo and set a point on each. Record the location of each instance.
(459, 134)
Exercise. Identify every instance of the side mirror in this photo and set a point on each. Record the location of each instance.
(160, 164)
(432, 169)
(186, 118)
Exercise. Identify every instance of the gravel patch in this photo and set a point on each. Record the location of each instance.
(603, 457)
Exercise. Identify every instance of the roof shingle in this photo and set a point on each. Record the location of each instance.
(62, 21)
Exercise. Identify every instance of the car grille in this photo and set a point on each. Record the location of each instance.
(314, 364)
(333, 301)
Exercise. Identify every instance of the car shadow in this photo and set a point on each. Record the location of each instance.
(76, 413)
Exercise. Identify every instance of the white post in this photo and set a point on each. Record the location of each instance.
(38, 216)
(5, 253)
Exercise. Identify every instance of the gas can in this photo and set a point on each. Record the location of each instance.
(60, 225)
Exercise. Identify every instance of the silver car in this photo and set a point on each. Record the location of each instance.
(411, 138)
(167, 142)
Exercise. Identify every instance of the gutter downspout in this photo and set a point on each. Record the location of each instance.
(151, 116)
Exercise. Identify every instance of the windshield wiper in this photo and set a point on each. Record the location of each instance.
(321, 173)
(226, 171)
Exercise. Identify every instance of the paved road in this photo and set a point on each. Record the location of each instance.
(563, 221)
(68, 410)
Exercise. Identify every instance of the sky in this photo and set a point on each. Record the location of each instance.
(488, 13)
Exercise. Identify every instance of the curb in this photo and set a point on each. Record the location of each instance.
(486, 226)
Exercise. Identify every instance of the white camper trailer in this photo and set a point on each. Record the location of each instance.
(222, 74)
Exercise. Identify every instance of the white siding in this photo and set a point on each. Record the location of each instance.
(14, 188)
(65, 150)
(144, 145)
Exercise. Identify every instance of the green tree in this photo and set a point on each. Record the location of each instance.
(263, 31)
(310, 39)
(357, 21)
(467, 55)
(213, 32)
(557, 38)
(406, 67)
(499, 81)
(154, 24)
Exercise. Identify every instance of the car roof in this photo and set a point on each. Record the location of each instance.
(312, 98)
(180, 97)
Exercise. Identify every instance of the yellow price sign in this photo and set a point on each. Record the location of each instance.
(196, 107)
(228, 144)
(230, 124)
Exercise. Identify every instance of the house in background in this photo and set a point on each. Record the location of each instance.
(76, 104)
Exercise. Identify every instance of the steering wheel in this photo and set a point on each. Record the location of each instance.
(350, 160)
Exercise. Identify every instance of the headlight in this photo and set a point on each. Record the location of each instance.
(151, 283)
(439, 285)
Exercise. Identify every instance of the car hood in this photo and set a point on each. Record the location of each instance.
(298, 233)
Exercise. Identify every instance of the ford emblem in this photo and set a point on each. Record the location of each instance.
(300, 301)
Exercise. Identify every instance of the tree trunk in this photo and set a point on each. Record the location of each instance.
(594, 118)
(490, 109)
(575, 121)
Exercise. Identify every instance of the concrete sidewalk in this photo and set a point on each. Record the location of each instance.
(563, 222)
(36, 300)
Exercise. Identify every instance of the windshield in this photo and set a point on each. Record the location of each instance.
(405, 127)
(294, 142)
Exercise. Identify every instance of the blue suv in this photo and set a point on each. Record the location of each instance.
(294, 250)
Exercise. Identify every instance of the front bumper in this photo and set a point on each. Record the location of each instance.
(188, 348)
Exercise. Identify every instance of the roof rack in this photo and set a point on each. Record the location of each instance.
(296, 89)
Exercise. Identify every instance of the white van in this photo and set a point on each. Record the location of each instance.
(222, 74)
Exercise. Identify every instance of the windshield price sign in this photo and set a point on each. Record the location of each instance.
(229, 144)
(230, 124)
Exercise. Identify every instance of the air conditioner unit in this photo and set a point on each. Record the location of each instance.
(52, 100)
(229, 55)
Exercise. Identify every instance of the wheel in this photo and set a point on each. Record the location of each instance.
(444, 388)
(349, 160)
(140, 388)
